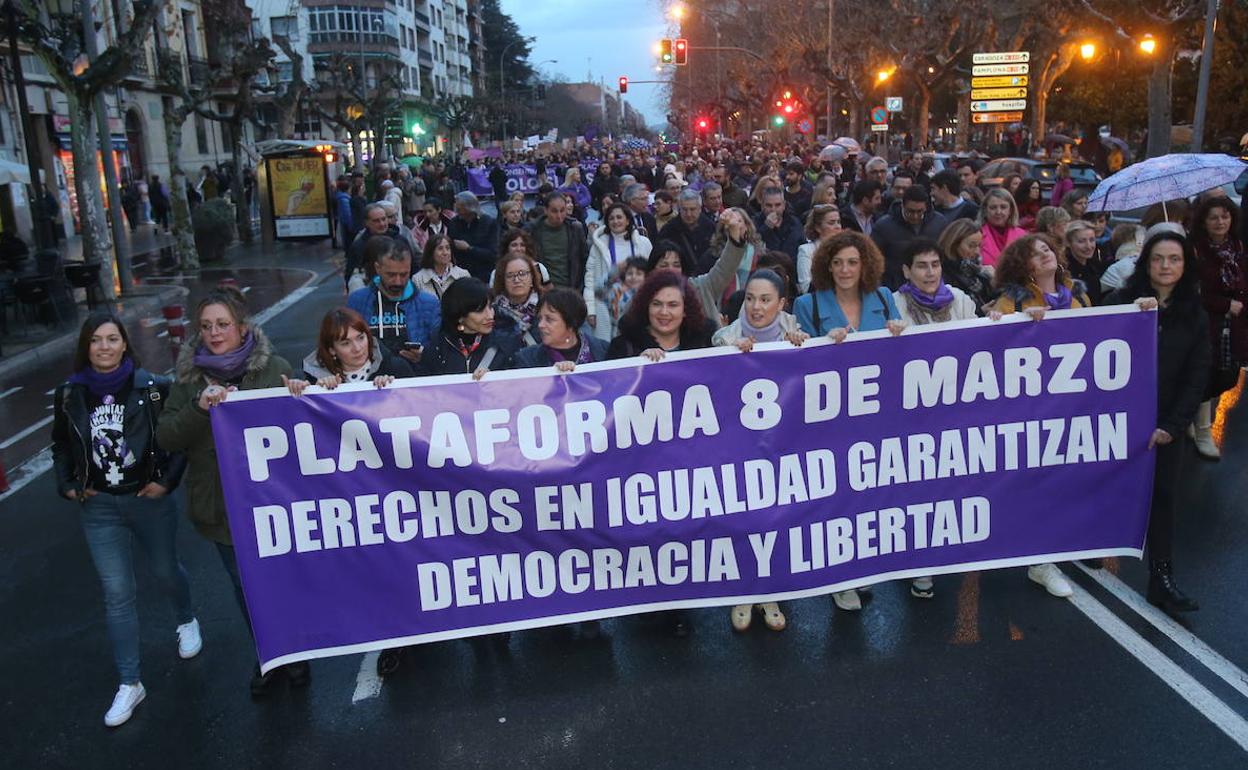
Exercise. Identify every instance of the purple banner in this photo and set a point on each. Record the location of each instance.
(523, 177)
(442, 508)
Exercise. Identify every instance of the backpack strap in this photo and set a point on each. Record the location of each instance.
(814, 305)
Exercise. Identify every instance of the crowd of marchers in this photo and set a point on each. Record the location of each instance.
(714, 245)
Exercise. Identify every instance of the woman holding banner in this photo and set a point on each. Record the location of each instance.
(346, 352)
(762, 319)
(846, 296)
(1166, 280)
(468, 343)
(225, 353)
(1033, 279)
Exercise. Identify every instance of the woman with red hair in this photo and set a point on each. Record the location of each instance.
(346, 352)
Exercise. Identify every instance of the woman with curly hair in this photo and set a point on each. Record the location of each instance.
(845, 290)
(1032, 277)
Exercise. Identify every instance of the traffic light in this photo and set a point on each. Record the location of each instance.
(392, 129)
(702, 123)
(778, 120)
(540, 92)
(665, 50)
(682, 50)
(417, 129)
(623, 84)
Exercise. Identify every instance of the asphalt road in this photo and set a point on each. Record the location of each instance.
(992, 672)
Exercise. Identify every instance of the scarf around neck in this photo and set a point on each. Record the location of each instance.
(522, 314)
(932, 303)
(227, 366)
(583, 354)
(1059, 300)
(106, 384)
(772, 332)
(1000, 236)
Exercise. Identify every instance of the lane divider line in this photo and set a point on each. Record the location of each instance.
(11, 440)
(10, 391)
(367, 683)
(1183, 683)
(1189, 642)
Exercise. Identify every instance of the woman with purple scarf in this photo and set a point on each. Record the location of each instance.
(924, 299)
(108, 460)
(762, 319)
(566, 340)
(224, 353)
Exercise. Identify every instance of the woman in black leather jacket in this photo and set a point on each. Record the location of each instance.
(107, 460)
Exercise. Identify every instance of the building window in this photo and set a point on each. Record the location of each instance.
(285, 71)
(284, 26)
(201, 134)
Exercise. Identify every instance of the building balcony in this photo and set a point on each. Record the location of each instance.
(422, 22)
(372, 45)
(140, 69)
(198, 70)
(425, 57)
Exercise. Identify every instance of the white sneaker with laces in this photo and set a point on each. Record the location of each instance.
(189, 640)
(124, 702)
(1049, 576)
(847, 600)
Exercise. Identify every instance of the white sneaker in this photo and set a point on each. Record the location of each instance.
(847, 600)
(189, 640)
(124, 702)
(922, 588)
(1049, 576)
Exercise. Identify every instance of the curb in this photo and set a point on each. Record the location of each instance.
(137, 306)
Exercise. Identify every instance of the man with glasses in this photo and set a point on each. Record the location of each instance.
(892, 232)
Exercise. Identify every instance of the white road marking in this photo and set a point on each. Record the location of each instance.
(10, 441)
(267, 314)
(246, 289)
(27, 472)
(1191, 644)
(10, 391)
(1183, 683)
(50, 392)
(367, 683)
(165, 333)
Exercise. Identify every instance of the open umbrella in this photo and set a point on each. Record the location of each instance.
(1157, 180)
(851, 145)
(833, 152)
(1114, 141)
(1058, 139)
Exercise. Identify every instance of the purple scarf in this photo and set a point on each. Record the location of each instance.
(769, 333)
(583, 356)
(102, 385)
(1060, 300)
(933, 303)
(227, 366)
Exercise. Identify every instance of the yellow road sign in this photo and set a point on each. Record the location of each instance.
(999, 93)
(999, 81)
(996, 117)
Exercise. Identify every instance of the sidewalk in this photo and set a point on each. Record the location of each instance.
(34, 364)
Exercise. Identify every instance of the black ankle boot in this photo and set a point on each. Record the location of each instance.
(388, 661)
(299, 674)
(262, 683)
(1163, 592)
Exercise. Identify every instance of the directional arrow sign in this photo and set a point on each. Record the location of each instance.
(979, 70)
(1002, 81)
(1006, 57)
(999, 105)
(999, 93)
(996, 117)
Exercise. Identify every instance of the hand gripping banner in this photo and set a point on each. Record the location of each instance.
(443, 508)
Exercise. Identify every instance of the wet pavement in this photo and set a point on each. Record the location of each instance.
(991, 672)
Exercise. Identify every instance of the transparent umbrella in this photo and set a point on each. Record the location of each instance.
(1158, 180)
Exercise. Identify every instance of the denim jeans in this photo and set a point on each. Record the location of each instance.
(230, 561)
(111, 524)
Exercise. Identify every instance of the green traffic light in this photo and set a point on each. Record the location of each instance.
(417, 130)
(778, 120)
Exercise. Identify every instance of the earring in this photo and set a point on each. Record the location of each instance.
(460, 327)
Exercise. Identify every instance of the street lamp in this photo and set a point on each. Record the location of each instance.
(883, 75)
(1087, 51)
(1148, 45)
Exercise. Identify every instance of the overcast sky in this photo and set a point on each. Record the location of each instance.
(598, 38)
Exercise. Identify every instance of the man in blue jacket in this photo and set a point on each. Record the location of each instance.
(400, 317)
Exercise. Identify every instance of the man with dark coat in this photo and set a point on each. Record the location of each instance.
(734, 196)
(474, 237)
(779, 228)
(691, 230)
(638, 202)
(498, 181)
(894, 231)
(865, 199)
(561, 243)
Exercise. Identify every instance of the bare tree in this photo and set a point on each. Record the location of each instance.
(344, 98)
(59, 43)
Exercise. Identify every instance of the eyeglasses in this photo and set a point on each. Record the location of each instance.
(221, 326)
(517, 277)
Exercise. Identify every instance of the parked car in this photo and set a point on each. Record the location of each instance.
(995, 172)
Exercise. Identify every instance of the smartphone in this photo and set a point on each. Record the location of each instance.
(413, 346)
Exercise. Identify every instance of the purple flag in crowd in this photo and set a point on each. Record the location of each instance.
(443, 508)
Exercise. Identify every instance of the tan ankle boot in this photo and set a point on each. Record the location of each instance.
(1205, 445)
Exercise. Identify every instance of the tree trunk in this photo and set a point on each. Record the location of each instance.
(855, 119)
(1159, 102)
(97, 245)
(286, 111)
(242, 212)
(962, 138)
(179, 209)
(921, 121)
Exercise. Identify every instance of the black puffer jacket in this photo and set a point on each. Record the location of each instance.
(71, 433)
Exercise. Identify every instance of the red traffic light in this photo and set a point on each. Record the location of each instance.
(703, 124)
(682, 50)
(623, 84)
